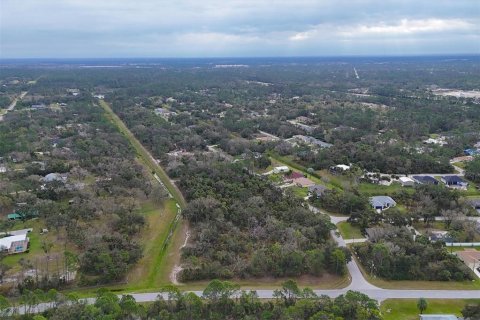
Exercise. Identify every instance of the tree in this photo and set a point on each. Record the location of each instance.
(4, 306)
(289, 292)
(422, 305)
(471, 311)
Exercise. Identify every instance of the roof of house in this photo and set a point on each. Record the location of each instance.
(317, 188)
(6, 242)
(425, 179)
(380, 201)
(405, 179)
(452, 179)
(13, 216)
(295, 175)
(52, 177)
(475, 202)
(438, 317)
(342, 166)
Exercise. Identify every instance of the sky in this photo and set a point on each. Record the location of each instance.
(235, 28)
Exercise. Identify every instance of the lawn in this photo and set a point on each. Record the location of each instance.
(299, 192)
(149, 271)
(371, 189)
(349, 231)
(406, 309)
(422, 227)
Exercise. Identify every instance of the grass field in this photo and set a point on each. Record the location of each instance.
(299, 192)
(149, 271)
(406, 309)
(349, 231)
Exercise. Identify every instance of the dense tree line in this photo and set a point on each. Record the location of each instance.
(394, 253)
(242, 226)
(220, 300)
(97, 205)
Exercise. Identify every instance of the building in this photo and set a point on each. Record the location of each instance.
(38, 106)
(317, 190)
(14, 244)
(381, 203)
(475, 203)
(311, 141)
(425, 180)
(14, 216)
(339, 168)
(54, 177)
(438, 317)
(472, 152)
(454, 181)
(406, 181)
(164, 113)
(281, 169)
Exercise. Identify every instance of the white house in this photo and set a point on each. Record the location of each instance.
(406, 181)
(14, 244)
(281, 169)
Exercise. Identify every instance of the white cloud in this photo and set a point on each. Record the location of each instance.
(406, 26)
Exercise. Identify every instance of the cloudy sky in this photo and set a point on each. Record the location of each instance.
(214, 28)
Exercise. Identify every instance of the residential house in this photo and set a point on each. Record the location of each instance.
(425, 180)
(314, 142)
(454, 181)
(406, 181)
(14, 244)
(475, 203)
(339, 168)
(317, 190)
(381, 203)
(281, 169)
(54, 177)
(472, 152)
(164, 113)
(38, 106)
(438, 317)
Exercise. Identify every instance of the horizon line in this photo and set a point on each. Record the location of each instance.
(251, 57)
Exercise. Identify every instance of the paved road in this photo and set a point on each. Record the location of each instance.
(359, 283)
(13, 104)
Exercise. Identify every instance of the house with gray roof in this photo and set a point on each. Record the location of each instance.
(317, 190)
(381, 203)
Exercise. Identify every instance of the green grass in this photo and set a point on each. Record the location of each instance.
(299, 192)
(371, 189)
(149, 271)
(455, 249)
(406, 309)
(422, 227)
(349, 231)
